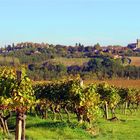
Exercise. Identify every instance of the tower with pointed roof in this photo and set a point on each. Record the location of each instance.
(138, 43)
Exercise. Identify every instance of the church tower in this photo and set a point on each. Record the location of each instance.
(138, 43)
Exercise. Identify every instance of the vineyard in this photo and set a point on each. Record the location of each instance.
(67, 104)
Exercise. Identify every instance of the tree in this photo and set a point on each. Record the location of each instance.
(97, 46)
(95, 65)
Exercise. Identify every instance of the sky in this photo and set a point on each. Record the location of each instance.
(108, 22)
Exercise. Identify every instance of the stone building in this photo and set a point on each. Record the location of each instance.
(138, 43)
(134, 45)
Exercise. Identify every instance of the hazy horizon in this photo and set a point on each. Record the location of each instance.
(66, 22)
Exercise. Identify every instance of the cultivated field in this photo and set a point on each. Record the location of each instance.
(135, 61)
(80, 61)
(71, 61)
(117, 82)
(9, 60)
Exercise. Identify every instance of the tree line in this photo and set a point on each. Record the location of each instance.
(96, 68)
(99, 67)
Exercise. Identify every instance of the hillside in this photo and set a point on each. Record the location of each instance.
(71, 61)
(49, 62)
(7, 60)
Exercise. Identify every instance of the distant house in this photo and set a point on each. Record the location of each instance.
(131, 46)
(134, 45)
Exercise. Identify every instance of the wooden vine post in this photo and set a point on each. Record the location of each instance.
(106, 110)
(19, 115)
(23, 100)
(20, 126)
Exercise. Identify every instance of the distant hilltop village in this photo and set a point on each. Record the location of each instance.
(134, 45)
(79, 50)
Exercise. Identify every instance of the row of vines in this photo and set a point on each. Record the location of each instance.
(20, 96)
(86, 102)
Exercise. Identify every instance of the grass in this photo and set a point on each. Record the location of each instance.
(49, 129)
(38, 129)
(127, 128)
(71, 61)
(55, 130)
